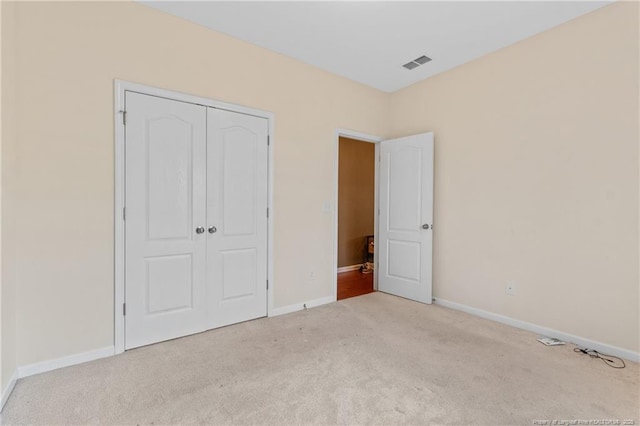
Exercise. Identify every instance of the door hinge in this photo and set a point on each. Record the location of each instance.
(268, 140)
(124, 309)
(267, 211)
(124, 213)
(124, 118)
(267, 284)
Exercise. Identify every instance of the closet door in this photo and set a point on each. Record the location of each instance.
(165, 286)
(237, 155)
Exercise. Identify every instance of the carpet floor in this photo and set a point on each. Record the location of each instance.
(373, 359)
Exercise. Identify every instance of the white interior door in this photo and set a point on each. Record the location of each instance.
(165, 268)
(406, 217)
(237, 184)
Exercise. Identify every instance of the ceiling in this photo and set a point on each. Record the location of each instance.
(370, 41)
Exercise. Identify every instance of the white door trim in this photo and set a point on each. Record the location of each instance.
(336, 166)
(120, 87)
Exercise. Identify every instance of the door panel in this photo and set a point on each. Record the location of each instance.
(404, 188)
(404, 260)
(165, 293)
(162, 272)
(406, 204)
(169, 154)
(239, 273)
(239, 151)
(237, 158)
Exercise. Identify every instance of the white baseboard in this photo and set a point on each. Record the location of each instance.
(349, 268)
(580, 341)
(6, 392)
(300, 306)
(65, 361)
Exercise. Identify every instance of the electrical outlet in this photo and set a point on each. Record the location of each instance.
(312, 276)
(510, 288)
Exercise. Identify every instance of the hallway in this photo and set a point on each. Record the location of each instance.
(354, 283)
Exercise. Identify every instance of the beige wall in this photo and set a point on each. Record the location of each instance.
(69, 54)
(536, 177)
(536, 167)
(356, 199)
(7, 142)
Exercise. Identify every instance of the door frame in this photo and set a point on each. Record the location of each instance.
(120, 87)
(363, 137)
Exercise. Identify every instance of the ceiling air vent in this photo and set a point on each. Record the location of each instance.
(411, 65)
(422, 60)
(417, 62)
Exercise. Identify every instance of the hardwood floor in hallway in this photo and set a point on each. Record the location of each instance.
(354, 283)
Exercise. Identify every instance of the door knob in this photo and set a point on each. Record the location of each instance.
(425, 226)
(212, 229)
(199, 230)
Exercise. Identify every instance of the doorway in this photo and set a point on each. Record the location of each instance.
(356, 217)
(403, 217)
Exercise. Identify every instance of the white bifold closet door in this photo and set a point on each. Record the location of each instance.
(196, 225)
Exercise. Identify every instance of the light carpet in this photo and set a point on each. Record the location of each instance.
(374, 359)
